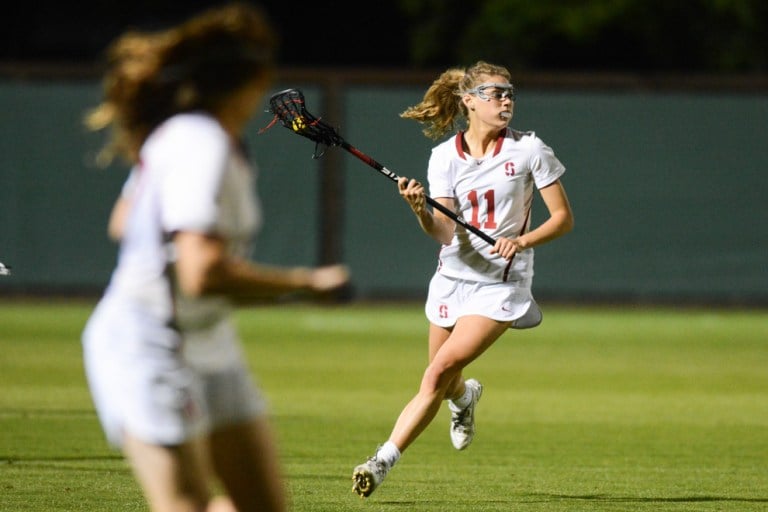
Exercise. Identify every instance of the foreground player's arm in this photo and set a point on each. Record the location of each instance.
(434, 222)
(116, 225)
(203, 267)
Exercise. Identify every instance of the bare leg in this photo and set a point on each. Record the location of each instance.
(449, 354)
(221, 504)
(437, 337)
(172, 477)
(245, 459)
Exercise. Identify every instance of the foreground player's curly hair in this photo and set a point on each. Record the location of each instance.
(151, 76)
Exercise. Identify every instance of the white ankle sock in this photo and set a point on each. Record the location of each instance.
(389, 453)
(464, 400)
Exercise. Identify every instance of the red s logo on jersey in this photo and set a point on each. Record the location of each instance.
(509, 168)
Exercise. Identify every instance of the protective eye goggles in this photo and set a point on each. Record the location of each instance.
(494, 91)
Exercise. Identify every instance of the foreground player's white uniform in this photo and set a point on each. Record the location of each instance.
(160, 366)
(494, 194)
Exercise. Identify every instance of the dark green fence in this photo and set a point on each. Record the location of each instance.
(668, 190)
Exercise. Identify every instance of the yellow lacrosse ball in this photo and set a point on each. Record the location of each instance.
(298, 124)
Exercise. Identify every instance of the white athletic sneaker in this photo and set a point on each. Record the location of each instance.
(368, 476)
(463, 420)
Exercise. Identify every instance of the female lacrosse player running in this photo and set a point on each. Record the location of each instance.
(487, 174)
(162, 357)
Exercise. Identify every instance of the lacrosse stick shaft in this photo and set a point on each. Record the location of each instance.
(432, 202)
(289, 108)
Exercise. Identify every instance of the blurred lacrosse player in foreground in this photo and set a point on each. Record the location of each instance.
(486, 173)
(162, 356)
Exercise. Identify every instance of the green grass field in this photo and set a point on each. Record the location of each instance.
(598, 409)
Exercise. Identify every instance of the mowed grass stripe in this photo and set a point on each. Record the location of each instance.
(598, 409)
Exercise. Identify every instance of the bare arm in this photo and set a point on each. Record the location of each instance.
(434, 222)
(560, 222)
(203, 268)
(116, 225)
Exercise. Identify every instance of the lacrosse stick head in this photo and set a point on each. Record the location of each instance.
(289, 108)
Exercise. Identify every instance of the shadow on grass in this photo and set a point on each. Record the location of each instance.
(34, 413)
(15, 459)
(638, 499)
(543, 498)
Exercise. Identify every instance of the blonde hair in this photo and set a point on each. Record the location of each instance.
(151, 76)
(442, 105)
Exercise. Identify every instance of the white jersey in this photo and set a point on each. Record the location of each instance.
(191, 177)
(159, 366)
(494, 194)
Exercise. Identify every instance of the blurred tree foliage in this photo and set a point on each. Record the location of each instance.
(721, 36)
(708, 36)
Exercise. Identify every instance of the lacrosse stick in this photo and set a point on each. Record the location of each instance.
(289, 108)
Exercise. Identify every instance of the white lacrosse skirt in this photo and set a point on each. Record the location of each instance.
(450, 298)
(142, 381)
